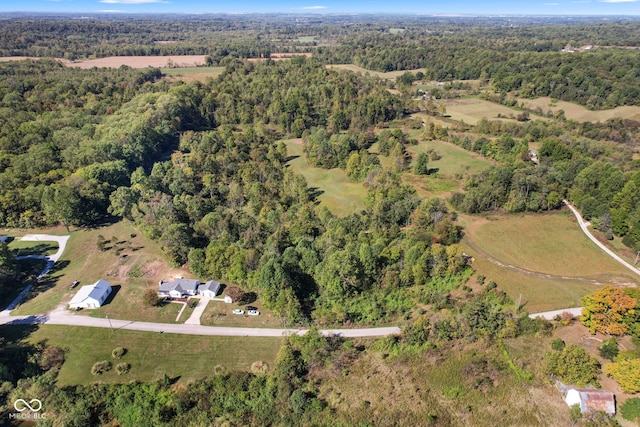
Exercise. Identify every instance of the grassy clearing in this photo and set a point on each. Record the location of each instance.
(219, 313)
(189, 74)
(578, 112)
(550, 243)
(306, 39)
(472, 110)
(340, 195)
(454, 161)
(82, 260)
(151, 354)
(391, 75)
(569, 265)
(21, 248)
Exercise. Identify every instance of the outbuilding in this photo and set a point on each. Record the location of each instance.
(591, 400)
(91, 296)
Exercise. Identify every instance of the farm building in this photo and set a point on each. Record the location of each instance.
(589, 399)
(209, 289)
(178, 288)
(91, 296)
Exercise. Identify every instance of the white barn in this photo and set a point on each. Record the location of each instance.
(91, 296)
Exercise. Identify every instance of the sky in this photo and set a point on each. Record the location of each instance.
(419, 7)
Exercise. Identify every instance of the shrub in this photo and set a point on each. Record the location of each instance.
(122, 368)
(259, 368)
(557, 344)
(573, 365)
(118, 352)
(626, 373)
(150, 297)
(101, 367)
(609, 349)
(630, 409)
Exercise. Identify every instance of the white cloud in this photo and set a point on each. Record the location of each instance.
(132, 1)
(552, 4)
(618, 1)
(314, 7)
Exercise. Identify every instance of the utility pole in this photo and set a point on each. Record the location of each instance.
(109, 322)
(637, 255)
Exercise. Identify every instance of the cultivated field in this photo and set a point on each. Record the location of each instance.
(578, 112)
(150, 354)
(545, 258)
(140, 61)
(338, 193)
(472, 110)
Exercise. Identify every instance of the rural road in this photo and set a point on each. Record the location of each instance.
(584, 225)
(549, 315)
(61, 316)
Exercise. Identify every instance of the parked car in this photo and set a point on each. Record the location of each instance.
(238, 311)
(250, 307)
(253, 313)
(74, 284)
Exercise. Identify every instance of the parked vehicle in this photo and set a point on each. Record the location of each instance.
(253, 313)
(238, 311)
(250, 307)
(74, 284)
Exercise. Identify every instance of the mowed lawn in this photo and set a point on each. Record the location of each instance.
(340, 195)
(472, 110)
(580, 113)
(151, 354)
(130, 263)
(550, 244)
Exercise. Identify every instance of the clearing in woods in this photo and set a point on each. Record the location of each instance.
(544, 257)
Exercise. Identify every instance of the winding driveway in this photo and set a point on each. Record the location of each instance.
(584, 225)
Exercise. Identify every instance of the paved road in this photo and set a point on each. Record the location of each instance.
(584, 225)
(61, 316)
(549, 315)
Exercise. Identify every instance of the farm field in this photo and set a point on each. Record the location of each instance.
(130, 262)
(151, 355)
(550, 272)
(189, 74)
(339, 195)
(472, 110)
(140, 61)
(578, 112)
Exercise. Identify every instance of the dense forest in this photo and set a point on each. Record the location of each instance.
(202, 168)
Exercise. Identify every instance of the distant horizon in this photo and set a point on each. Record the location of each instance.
(452, 8)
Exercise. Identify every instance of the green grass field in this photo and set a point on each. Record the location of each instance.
(219, 313)
(150, 354)
(472, 110)
(578, 112)
(193, 73)
(391, 75)
(339, 194)
(549, 244)
(21, 248)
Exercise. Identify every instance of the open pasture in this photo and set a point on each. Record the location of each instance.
(472, 110)
(578, 112)
(151, 354)
(544, 257)
(391, 75)
(189, 74)
(141, 61)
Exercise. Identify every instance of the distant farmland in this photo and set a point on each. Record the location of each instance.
(578, 112)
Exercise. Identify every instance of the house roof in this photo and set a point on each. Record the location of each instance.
(592, 400)
(94, 291)
(211, 285)
(180, 285)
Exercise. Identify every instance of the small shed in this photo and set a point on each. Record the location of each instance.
(91, 296)
(209, 289)
(591, 400)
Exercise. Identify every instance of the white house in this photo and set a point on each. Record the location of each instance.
(178, 288)
(209, 289)
(91, 296)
